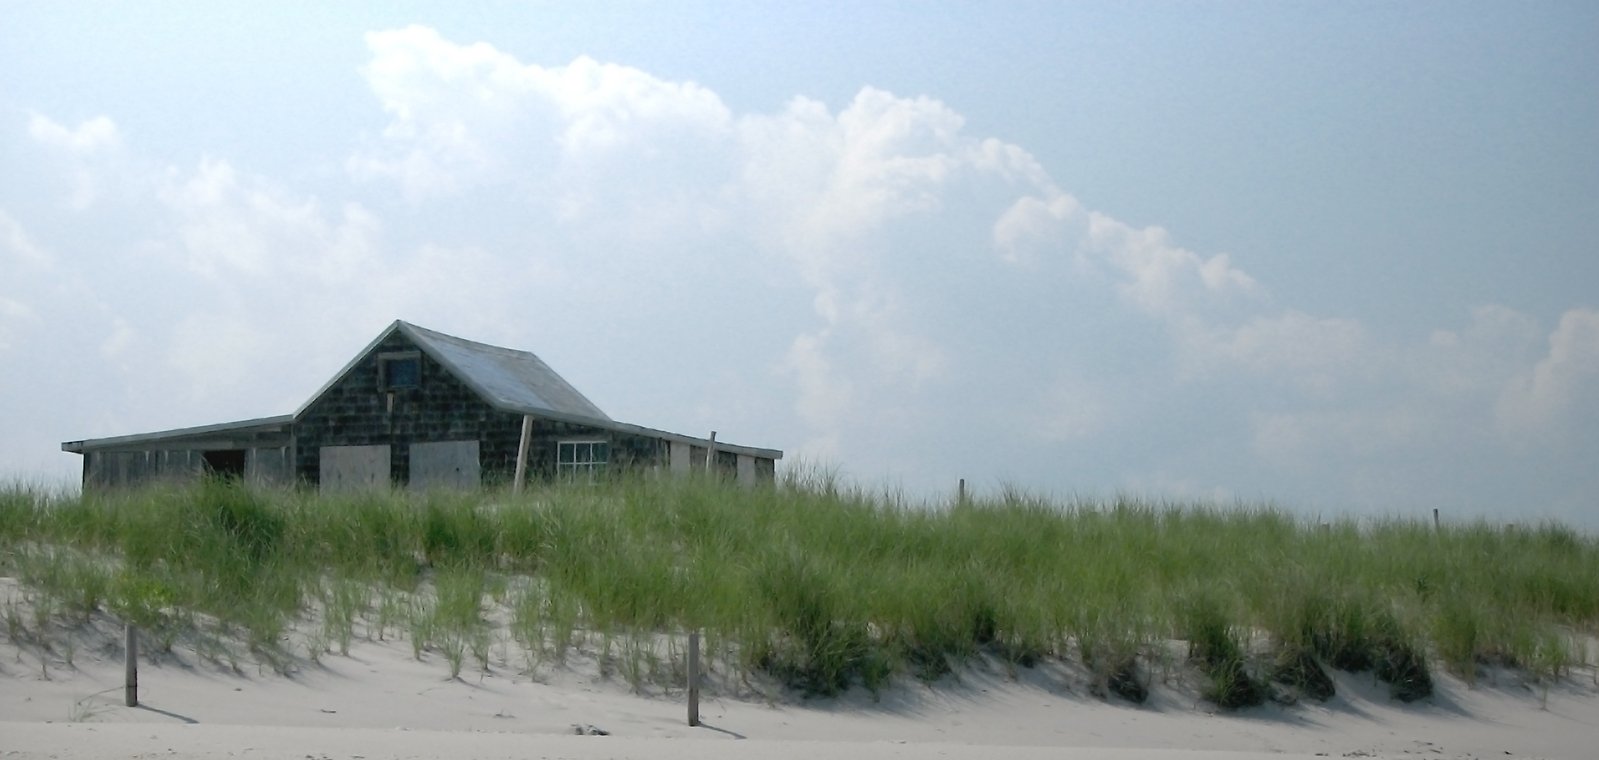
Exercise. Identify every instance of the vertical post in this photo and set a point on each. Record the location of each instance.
(521, 452)
(694, 678)
(960, 492)
(1436, 526)
(130, 680)
(710, 455)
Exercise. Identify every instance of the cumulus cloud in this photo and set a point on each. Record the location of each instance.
(230, 228)
(884, 157)
(1481, 358)
(1314, 353)
(86, 149)
(1152, 273)
(1562, 389)
(1162, 278)
(865, 282)
(890, 215)
(462, 115)
(92, 136)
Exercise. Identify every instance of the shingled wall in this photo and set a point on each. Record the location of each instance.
(356, 411)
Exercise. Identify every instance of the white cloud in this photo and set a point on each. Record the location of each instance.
(1479, 360)
(866, 284)
(1034, 227)
(1314, 351)
(1153, 274)
(92, 136)
(88, 149)
(232, 227)
(823, 397)
(894, 157)
(886, 211)
(1160, 277)
(1563, 386)
(468, 114)
(17, 245)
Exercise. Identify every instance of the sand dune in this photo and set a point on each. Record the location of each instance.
(381, 702)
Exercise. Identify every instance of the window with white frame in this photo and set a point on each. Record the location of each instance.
(581, 459)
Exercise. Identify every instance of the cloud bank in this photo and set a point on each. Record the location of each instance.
(869, 286)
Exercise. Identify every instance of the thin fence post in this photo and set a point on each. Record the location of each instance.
(960, 492)
(694, 678)
(1437, 527)
(130, 680)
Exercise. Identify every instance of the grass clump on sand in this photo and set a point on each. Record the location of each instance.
(1219, 647)
(820, 586)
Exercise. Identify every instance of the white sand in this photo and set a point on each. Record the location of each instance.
(380, 702)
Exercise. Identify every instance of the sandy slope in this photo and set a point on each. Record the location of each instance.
(380, 702)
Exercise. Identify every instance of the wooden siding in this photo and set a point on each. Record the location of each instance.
(356, 411)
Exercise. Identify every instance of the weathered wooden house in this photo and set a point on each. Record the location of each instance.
(427, 410)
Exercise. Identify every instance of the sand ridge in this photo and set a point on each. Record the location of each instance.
(380, 701)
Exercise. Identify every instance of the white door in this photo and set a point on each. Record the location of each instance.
(446, 464)
(352, 468)
(678, 457)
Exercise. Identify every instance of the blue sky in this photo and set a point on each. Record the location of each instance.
(1339, 257)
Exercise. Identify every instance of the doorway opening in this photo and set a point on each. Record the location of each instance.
(225, 463)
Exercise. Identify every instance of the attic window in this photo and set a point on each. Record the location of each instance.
(398, 371)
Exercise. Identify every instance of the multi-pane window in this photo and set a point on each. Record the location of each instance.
(581, 459)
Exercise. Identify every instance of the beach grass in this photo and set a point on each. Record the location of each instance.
(817, 584)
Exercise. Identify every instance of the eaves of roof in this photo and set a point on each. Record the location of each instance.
(279, 424)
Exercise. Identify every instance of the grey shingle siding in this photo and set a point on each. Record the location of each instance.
(355, 411)
(463, 391)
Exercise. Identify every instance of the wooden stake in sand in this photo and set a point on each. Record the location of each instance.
(694, 678)
(1436, 526)
(130, 681)
(521, 452)
(960, 492)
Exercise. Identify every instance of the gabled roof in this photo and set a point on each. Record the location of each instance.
(519, 382)
(508, 379)
(505, 378)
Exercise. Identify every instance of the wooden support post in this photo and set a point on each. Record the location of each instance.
(960, 492)
(521, 452)
(710, 455)
(130, 680)
(694, 678)
(1437, 527)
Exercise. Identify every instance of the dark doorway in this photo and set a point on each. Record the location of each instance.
(225, 463)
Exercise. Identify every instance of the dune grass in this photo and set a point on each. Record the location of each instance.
(820, 586)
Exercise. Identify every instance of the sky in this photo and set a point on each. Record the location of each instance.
(1335, 257)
